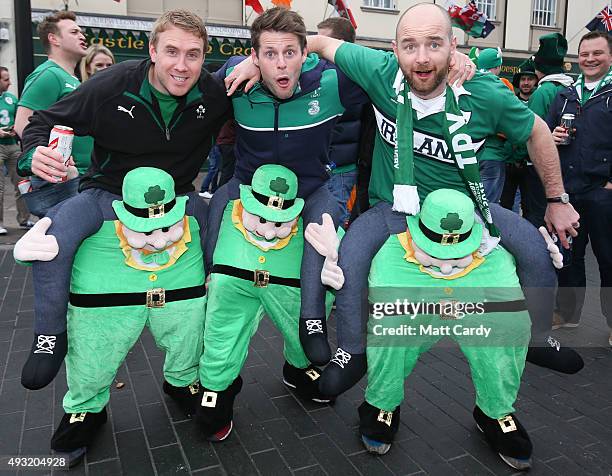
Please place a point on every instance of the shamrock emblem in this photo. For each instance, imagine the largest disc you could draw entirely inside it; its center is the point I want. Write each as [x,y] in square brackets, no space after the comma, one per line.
[154,195]
[451,222]
[279,185]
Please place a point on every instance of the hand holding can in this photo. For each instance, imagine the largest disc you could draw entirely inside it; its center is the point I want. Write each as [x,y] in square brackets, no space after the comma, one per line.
[61,139]
[567,123]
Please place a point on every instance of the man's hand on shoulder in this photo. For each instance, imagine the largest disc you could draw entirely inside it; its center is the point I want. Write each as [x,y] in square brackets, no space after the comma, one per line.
[243,72]
[461,69]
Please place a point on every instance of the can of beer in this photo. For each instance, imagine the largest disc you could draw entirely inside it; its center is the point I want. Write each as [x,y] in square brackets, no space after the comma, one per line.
[60,139]
[24,186]
[567,122]
[566,253]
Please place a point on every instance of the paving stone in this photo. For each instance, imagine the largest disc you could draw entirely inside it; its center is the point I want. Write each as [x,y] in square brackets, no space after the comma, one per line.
[133,453]
[270,462]
[169,460]
[10,432]
[329,456]
[300,420]
[104,468]
[292,448]
[13,396]
[234,459]
[39,407]
[199,452]
[157,425]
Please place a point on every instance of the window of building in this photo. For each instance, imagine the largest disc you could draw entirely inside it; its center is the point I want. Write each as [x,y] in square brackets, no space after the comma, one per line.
[487,7]
[544,13]
[388,4]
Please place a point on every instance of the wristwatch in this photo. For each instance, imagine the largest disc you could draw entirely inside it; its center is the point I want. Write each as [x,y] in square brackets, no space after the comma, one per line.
[563,198]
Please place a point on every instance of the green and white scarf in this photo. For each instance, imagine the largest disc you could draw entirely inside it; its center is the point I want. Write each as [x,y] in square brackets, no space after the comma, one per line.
[456,138]
[579,85]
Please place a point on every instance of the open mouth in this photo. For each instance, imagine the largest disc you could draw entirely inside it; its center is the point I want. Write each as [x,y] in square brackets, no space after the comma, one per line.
[283,81]
[424,74]
[179,79]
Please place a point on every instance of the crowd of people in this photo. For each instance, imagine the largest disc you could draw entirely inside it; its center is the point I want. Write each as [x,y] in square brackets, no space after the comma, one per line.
[353,176]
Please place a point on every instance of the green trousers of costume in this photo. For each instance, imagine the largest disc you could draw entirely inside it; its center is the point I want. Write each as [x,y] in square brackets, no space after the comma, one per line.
[235,306]
[99,339]
[496,362]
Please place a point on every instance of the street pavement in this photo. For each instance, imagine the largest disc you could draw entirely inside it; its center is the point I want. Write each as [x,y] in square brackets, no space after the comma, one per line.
[568,417]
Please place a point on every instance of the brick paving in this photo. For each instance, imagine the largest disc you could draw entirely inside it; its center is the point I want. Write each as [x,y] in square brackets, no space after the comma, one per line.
[568,417]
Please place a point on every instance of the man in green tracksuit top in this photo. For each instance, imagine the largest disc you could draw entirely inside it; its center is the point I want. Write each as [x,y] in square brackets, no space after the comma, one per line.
[436,266]
[256,269]
[144,268]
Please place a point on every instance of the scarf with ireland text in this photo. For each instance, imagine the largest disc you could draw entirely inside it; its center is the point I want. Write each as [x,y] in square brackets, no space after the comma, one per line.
[458,141]
[579,85]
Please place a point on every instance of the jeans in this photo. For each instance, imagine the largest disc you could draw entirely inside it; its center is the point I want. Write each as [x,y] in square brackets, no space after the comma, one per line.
[45,195]
[595,209]
[493,175]
[319,202]
[9,155]
[72,221]
[341,186]
[213,167]
[370,231]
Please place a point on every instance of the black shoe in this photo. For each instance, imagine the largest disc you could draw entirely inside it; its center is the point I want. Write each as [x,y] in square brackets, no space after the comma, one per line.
[507,437]
[550,354]
[75,433]
[305,382]
[45,359]
[313,337]
[344,371]
[377,427]
[186,397]
[216,409]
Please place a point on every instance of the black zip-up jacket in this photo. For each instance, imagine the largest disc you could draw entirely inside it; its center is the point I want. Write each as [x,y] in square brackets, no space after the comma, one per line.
[586,163]
[117,108]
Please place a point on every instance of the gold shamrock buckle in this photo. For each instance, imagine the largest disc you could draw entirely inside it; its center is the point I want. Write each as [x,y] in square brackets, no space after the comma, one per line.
[77,417]
[450,239]
[194,388]
[385,417]
[156,297]
[276,202]
[156,211]
[507,424]
[313,374]
[261,278]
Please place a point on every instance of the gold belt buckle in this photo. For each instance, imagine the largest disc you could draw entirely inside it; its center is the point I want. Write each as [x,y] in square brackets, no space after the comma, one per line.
[507,424]
[313,374]
[261,278]
[156,297]
[450,239]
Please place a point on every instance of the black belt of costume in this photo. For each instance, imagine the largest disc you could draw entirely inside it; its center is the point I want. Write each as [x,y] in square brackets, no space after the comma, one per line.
[134,299]
[488,307]
[251,275]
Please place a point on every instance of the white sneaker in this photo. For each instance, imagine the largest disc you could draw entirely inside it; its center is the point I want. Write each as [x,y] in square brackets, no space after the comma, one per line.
[3,230]
[206,195]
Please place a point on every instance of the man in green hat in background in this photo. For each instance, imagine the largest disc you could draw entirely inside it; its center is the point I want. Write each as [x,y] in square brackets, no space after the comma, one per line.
[142,267]
[255,269]
[492,162]
[525,82]
[443,285]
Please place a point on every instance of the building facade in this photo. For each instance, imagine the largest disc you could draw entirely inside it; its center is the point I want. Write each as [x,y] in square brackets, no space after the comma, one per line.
[123,26]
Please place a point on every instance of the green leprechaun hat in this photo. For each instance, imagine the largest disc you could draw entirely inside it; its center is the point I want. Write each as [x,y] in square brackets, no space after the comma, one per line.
[489,58]
[272,194]
[149,201]
[552,50]
[445,228]
[526,68]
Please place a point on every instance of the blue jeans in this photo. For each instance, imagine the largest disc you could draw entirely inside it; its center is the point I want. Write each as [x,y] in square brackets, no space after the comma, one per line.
[45,195]
[595,209]
[213,167]
[319,202]
[73,221]
[369,232]
[341,186]
[493,175]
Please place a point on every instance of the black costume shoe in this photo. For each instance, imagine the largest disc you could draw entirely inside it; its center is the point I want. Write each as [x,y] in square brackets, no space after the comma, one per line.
[186,397]
[507,437]
[313,337]
[344,371]
[75,433]
[377,427]
[549,353]
[305,382]
[45,359]
[216,410]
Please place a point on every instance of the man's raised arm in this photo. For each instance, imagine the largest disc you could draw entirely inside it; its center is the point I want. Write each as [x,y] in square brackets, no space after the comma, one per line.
[324,46]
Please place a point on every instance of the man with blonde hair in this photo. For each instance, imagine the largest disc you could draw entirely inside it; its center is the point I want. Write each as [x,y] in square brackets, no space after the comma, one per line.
[160,112]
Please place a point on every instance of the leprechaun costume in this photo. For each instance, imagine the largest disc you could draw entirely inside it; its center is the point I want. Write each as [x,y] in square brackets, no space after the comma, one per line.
[252,275]
[480,306]
[117,289]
